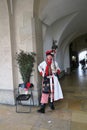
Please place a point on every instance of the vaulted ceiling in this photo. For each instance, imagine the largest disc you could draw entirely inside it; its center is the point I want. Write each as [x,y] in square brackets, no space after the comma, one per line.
[54,10]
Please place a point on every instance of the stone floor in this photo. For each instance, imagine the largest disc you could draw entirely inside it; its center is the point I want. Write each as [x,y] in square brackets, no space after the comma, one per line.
[70,113]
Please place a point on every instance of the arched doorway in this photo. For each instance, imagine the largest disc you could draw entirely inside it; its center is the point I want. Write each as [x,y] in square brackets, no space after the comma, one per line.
[83,60]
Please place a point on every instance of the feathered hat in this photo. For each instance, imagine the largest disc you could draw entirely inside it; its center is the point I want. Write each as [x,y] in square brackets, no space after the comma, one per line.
[50,52]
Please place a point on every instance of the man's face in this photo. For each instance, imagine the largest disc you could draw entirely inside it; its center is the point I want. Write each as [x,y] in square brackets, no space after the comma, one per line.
[49,59]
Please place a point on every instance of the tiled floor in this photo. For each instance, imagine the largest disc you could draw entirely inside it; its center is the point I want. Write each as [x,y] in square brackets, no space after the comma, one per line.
[70,113]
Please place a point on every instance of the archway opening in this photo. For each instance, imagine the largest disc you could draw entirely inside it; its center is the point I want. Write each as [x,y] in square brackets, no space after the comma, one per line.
[83,60]
[82,55]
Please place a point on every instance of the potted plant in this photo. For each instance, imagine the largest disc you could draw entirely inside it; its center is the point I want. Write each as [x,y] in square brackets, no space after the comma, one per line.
[25,62]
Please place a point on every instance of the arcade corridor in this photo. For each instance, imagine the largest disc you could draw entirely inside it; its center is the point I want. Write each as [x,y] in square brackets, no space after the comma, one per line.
[33,25]
[70,113]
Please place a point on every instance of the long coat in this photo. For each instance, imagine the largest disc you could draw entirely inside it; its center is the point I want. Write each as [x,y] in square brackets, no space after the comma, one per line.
[57,88]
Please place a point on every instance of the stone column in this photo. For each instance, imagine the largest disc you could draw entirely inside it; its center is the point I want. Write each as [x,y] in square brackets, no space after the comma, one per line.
[38,48]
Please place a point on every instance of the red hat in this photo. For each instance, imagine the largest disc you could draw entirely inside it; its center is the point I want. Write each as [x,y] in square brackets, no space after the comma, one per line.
[50,52]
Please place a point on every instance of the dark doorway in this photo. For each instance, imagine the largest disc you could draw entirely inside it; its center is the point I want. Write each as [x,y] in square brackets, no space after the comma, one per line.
[74,61]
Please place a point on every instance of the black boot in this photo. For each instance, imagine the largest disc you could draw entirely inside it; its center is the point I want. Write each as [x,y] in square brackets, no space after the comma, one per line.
[42,109]
[52,106]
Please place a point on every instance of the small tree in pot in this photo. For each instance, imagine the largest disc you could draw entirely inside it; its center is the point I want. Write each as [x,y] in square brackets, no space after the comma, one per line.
[25,61]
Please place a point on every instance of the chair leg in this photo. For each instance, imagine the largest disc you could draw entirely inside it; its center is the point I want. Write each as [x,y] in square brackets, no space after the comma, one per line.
[16,105]
[33,100]
[17,102]
[30,104]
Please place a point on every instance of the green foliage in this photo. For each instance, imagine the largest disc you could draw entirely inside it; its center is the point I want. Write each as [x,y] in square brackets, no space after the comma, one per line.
[26,64]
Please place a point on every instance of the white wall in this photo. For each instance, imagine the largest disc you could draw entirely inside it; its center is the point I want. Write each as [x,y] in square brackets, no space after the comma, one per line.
[15,34]
[57,31]
[6,73]
[6,79]
[23,13]
[66,59]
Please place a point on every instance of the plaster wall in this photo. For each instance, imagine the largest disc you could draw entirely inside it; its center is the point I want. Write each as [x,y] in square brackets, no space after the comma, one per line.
[28,37]
[6,76]
[6,81]
[15,35]
[23,13]
[66,59]
[55,31]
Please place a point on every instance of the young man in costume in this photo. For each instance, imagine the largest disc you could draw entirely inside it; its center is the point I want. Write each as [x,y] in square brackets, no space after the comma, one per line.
[51,89]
